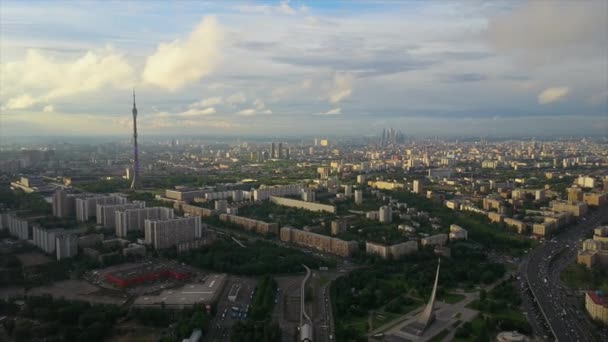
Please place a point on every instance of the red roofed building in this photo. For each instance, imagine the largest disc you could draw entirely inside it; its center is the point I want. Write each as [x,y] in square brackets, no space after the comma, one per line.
[146,274]
[597,306]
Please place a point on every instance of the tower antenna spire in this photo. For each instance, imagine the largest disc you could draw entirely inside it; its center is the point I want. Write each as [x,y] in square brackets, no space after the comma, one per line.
[136,181]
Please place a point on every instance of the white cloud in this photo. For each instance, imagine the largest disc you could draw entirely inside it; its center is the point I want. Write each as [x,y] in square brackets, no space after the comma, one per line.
[286,9]
[342,87]
[254,112]
[236,98]
[198,112]
[20,102]
[552,94]
[247,112]
[259,104]
[334,111]
[179,63]
[48,109]
[42,78]
[208,102]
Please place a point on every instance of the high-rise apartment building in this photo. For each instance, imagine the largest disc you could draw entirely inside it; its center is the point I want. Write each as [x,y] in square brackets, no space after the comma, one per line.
[106,214]
[86,207]
[66,245]
[358,197]
[417,187]
[385,214]
[134,219]
[64,205]
[163,234]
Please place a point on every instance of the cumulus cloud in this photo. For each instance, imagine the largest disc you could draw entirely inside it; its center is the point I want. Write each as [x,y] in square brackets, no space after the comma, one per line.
[48,109]
[342,87]
[247,112]
[179,63]
[20,102]
[552,94]
[236,98]
[334,111]
[40,78]
[198,112]
[254,112]
[212,101]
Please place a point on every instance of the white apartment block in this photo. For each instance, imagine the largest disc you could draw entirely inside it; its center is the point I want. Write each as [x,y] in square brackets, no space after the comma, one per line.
[134,219]
[17,227]
[45,238]
[87,207]
[385,214]
[66,245]
[264,193]
[106,213]
[163,234]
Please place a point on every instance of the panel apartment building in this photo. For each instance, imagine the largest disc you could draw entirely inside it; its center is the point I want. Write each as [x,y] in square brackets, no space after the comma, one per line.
[326,244]
[106,214]
[86,208]
[167,233]
[127,220]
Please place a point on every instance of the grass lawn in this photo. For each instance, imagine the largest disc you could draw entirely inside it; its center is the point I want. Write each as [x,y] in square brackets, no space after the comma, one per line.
[357,323]
[451,298]
[382,317]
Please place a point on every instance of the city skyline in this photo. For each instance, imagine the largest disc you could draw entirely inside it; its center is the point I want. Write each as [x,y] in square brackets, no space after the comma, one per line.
[305,68]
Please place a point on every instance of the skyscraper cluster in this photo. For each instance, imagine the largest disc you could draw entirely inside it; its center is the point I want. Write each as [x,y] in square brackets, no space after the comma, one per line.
[391,136]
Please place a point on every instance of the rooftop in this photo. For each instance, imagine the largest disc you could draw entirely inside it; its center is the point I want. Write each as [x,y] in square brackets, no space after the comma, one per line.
[191,293]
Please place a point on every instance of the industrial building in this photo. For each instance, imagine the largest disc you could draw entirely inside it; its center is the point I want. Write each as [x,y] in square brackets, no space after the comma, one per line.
[206,292]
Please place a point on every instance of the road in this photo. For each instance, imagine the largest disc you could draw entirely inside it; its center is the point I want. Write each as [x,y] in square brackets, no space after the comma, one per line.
[541,273]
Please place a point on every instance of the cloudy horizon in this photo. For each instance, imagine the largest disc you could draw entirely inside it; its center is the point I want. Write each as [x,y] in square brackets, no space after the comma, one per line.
[305,67]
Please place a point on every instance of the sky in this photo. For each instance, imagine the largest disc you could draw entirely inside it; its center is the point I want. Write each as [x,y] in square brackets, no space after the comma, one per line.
[288,68]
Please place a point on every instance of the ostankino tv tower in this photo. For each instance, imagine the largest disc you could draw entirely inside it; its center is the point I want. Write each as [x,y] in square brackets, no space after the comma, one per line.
[136,181]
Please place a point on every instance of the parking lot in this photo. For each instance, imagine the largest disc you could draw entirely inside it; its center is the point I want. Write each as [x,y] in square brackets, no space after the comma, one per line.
[229,312]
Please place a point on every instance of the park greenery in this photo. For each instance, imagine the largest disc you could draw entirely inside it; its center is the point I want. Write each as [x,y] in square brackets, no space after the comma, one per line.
[377,285]
[258,326]
[256,258]
[34,203]
[499,311]
[263,299]
[284,216]
[52,319]
[45,318]
[105,185]
[481,230]
[181,322]
[578,276]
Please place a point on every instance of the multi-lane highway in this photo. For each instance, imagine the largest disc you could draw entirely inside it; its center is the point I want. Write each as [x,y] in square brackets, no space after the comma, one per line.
[541,272]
